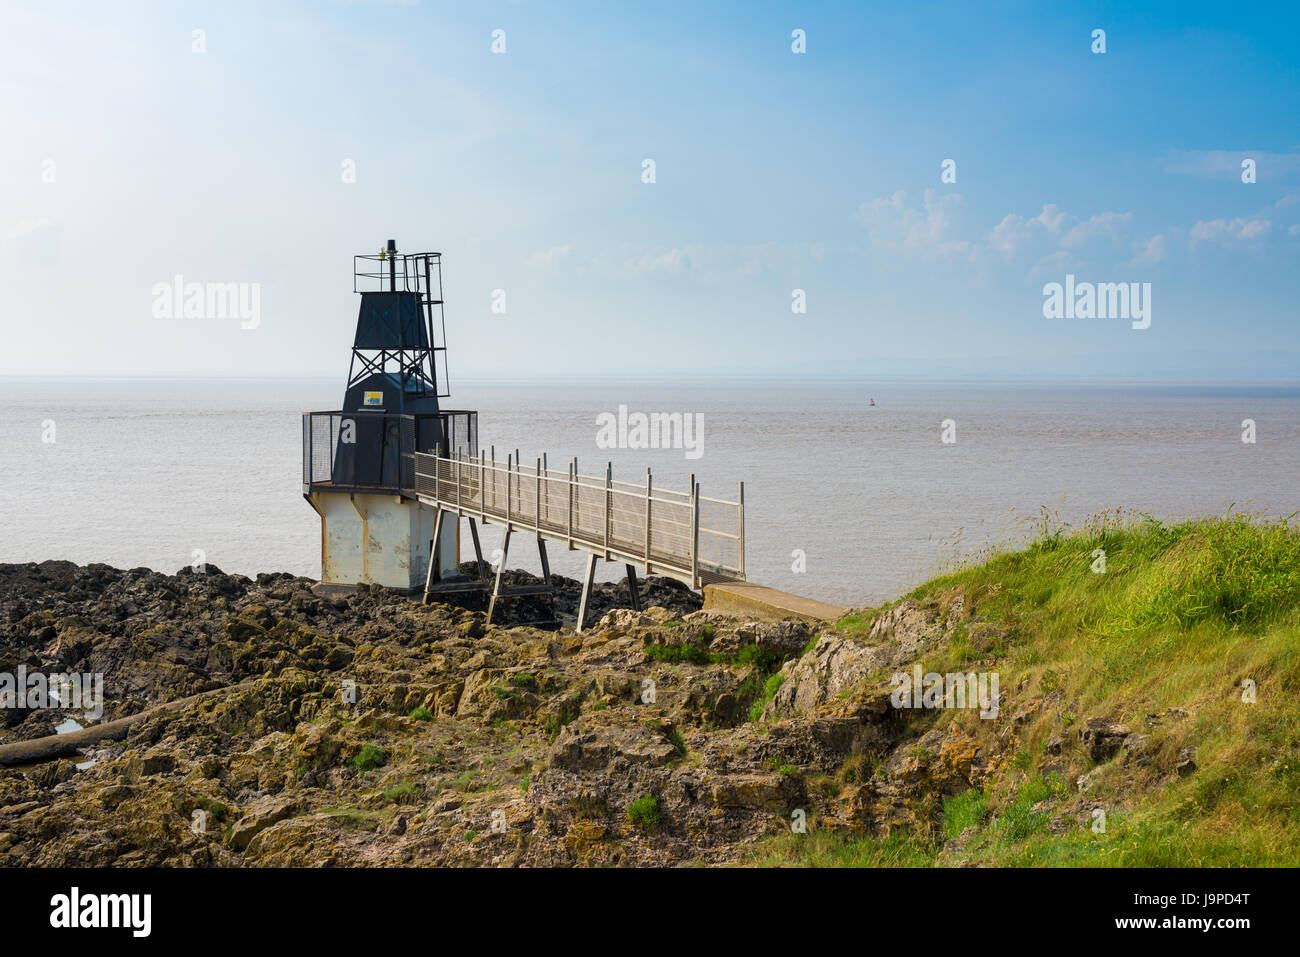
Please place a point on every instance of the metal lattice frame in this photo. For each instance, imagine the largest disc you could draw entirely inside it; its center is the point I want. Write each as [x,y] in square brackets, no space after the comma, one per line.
[406,272]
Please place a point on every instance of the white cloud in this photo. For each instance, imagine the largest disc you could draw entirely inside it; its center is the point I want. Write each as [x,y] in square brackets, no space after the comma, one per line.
[1108,226]
[674,262]
[926,230]
[1223,230]
[1053,264]
[548,259]
[1053,237]
[699,262]
[1148,252]
[1015,232]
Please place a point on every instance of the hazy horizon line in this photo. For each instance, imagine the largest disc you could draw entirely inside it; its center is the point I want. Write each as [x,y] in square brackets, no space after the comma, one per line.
[699,377]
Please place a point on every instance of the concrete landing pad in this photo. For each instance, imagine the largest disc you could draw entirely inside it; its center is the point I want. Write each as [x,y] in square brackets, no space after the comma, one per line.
[746,598]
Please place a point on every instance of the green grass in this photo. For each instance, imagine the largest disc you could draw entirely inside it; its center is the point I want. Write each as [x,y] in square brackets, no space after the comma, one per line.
[369,758]
[403,793]
[968,809]
[826,849]
[854,624]
[753,655]
[644,812]
[1021,818]
[770,688]
[462,781]
[755,690]
[421,714]
[1181,616]
[685,652]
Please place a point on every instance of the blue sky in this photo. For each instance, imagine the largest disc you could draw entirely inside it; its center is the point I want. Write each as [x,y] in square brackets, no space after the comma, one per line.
[129,158]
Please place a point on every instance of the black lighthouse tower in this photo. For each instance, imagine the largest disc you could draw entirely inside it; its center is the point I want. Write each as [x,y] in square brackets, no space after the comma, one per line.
[391,410]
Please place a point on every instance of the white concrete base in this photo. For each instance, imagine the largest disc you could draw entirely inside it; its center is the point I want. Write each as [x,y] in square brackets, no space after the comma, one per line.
[379,540]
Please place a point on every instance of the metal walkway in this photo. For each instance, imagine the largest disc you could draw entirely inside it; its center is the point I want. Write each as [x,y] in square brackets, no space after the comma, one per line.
[680,535]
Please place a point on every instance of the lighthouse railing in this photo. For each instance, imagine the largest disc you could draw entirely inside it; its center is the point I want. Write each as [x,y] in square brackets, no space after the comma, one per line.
[375,449]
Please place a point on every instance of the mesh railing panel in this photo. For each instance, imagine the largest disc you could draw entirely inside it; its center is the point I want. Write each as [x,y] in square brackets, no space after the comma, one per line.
[720,538]
[654,527]
[320,440]
[461,433]
[378,449]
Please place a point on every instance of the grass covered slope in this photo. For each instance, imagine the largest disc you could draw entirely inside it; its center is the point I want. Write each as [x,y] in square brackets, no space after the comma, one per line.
[1128,657]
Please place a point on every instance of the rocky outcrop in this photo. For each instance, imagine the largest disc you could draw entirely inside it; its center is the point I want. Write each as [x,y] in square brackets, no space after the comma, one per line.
[260,815]
[1102,738]
[897,636]
[372,729]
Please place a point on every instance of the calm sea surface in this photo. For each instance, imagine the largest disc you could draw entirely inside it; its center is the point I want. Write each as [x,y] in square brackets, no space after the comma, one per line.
[145,471]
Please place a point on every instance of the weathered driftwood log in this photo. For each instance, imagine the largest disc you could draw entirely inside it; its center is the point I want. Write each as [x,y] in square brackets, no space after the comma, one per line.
[65,745]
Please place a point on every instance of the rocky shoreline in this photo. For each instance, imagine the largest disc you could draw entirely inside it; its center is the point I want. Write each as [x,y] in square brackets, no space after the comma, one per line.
[374,730]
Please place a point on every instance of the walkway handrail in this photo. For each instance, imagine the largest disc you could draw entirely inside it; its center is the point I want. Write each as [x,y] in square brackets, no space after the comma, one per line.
[680,534]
